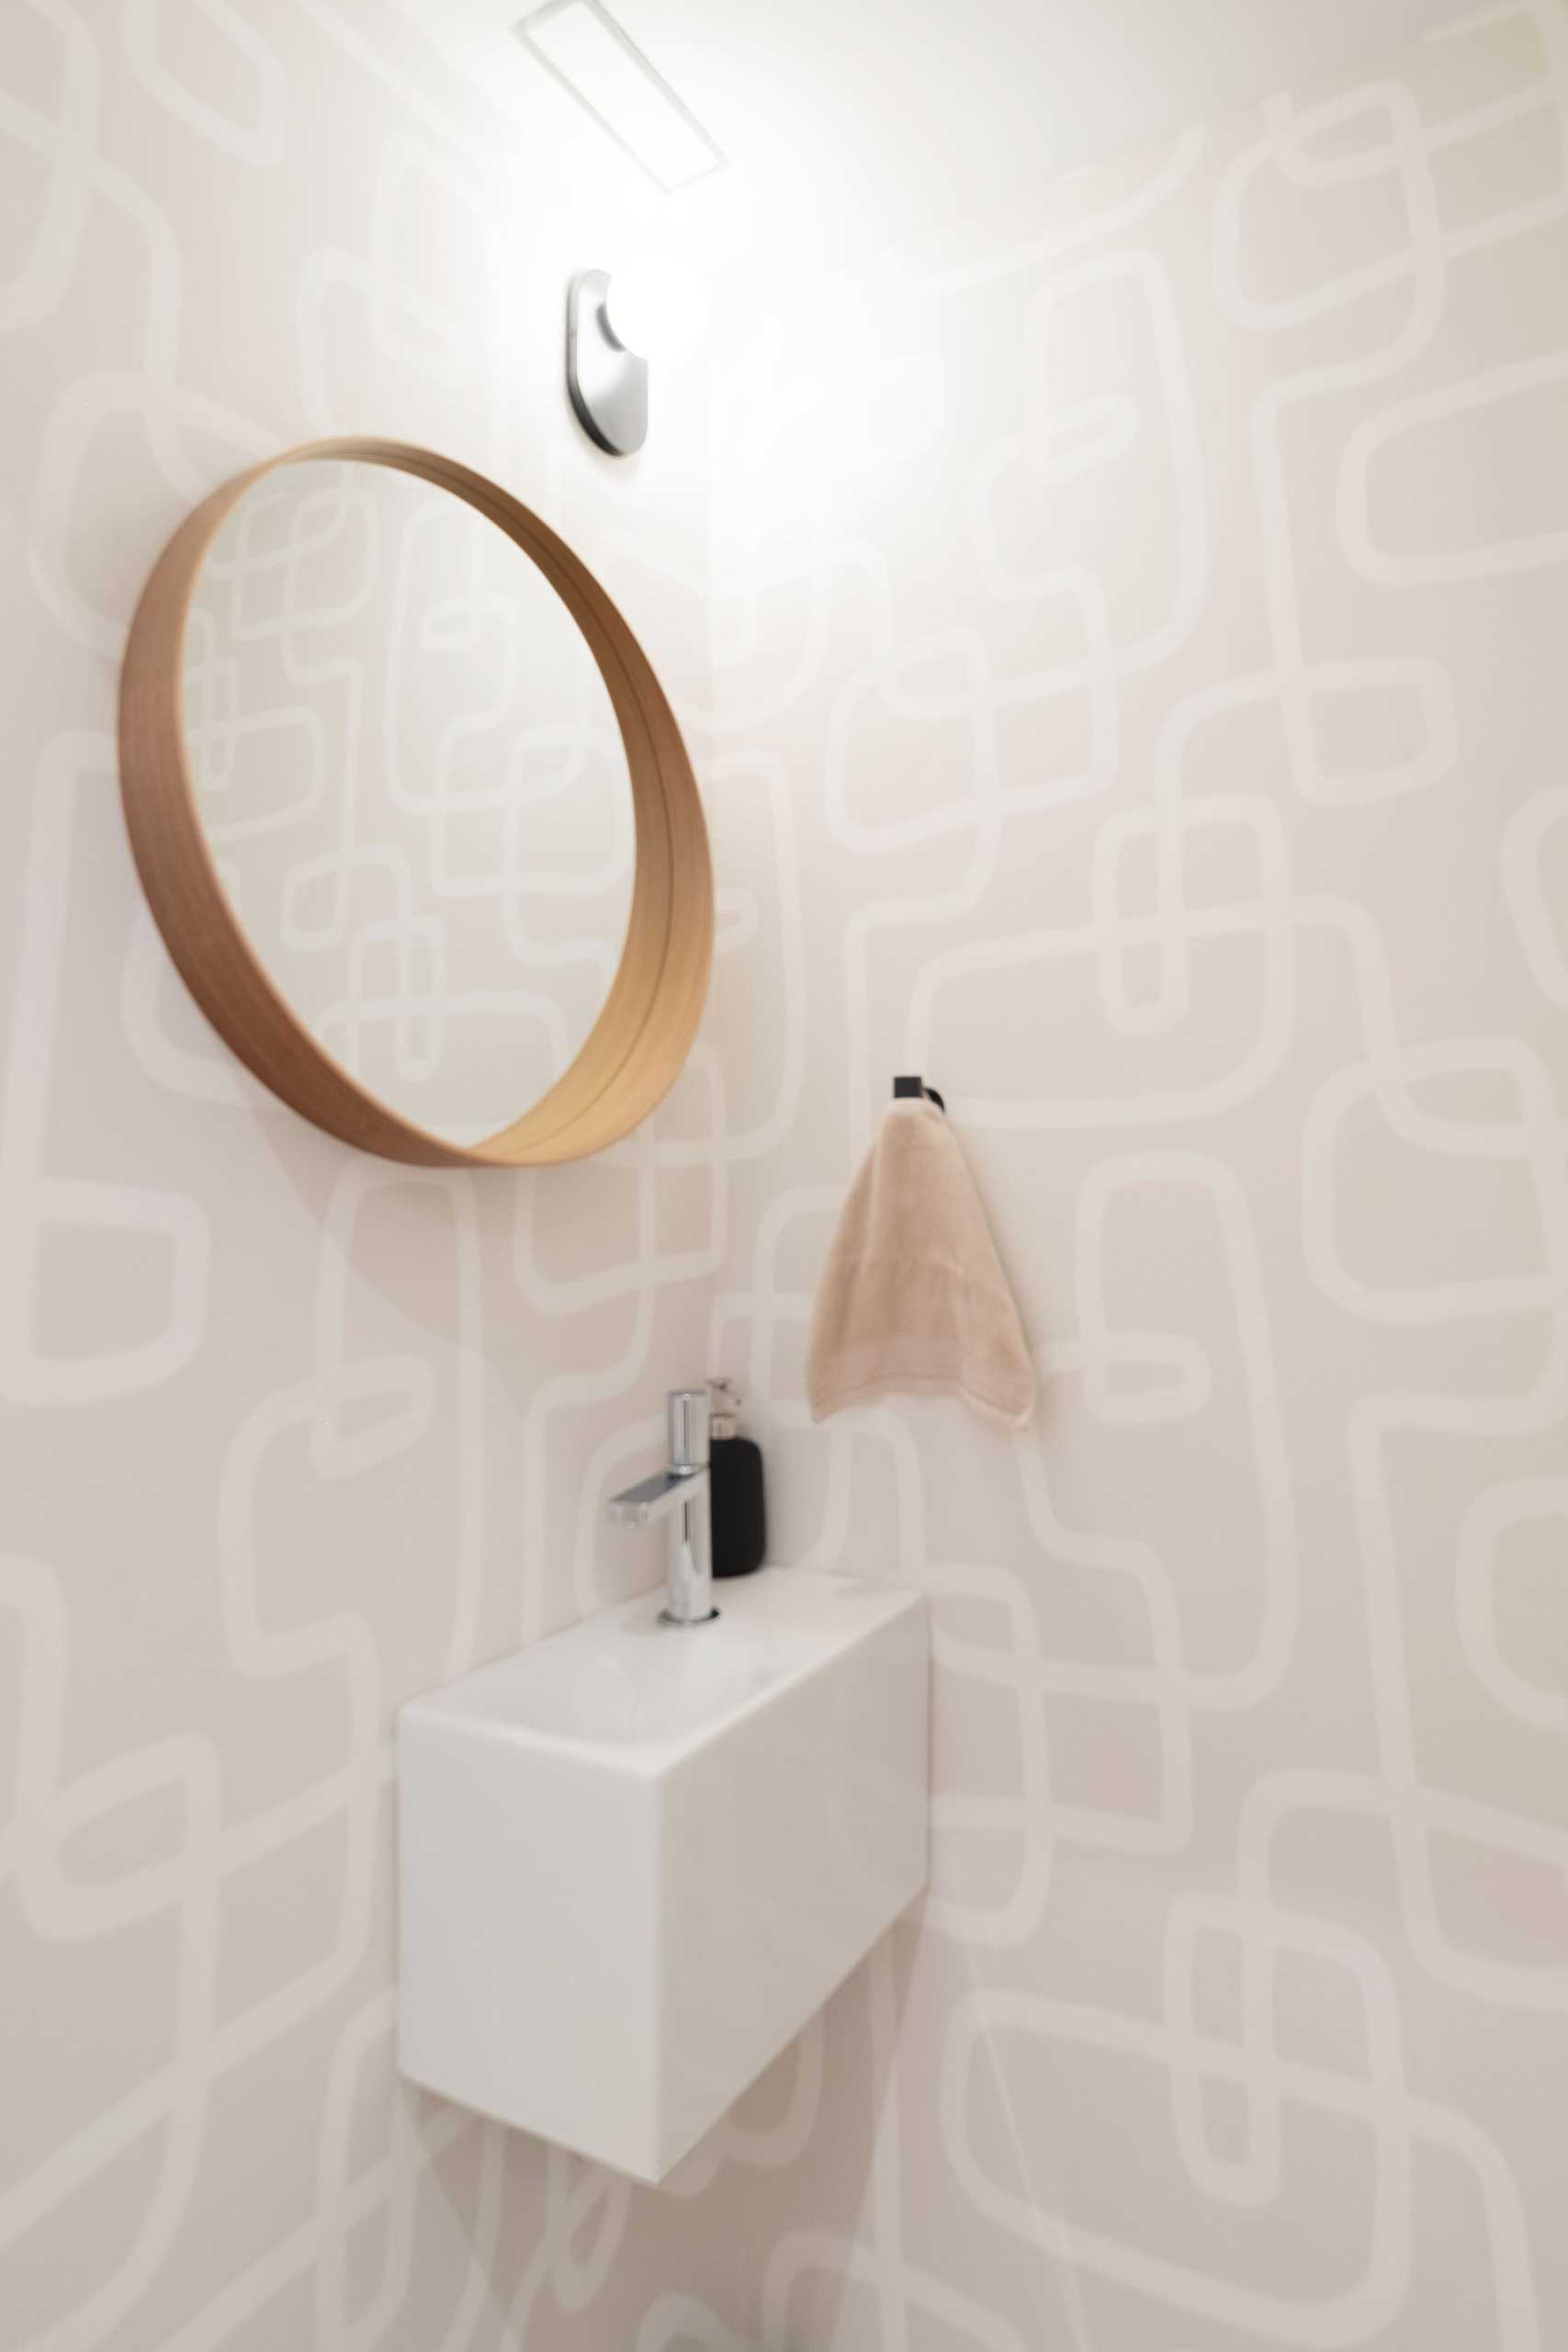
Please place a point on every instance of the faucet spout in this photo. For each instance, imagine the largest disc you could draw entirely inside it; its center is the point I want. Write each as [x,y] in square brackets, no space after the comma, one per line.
[680,1496]
[654,1499]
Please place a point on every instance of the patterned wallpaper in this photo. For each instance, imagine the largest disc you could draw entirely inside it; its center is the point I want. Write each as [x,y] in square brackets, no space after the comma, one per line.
[1136,701]
[1141,620]
[285,1434]
[410,777]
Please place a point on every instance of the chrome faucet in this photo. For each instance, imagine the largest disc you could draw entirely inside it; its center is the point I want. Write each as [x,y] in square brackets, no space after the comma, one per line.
[679,1494]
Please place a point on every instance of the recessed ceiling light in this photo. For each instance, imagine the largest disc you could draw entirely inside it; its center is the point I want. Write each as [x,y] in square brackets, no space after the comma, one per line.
[580,43]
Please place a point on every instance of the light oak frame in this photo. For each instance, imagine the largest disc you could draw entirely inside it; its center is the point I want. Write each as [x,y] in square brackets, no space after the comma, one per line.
[639,1042]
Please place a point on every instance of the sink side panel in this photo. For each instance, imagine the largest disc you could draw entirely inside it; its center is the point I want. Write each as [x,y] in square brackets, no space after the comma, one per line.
[790,1846]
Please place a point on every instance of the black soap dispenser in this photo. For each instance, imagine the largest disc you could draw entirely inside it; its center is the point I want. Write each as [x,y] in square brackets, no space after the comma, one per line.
[735,1474]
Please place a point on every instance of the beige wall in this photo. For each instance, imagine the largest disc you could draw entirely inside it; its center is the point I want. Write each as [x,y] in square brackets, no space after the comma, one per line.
[408,772]
[1137,622]
[275,1419]
[1141,620]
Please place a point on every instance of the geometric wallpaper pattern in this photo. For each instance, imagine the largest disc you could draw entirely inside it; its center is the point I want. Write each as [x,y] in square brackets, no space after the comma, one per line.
[1122,643]
[410,775]
[1151,603]
[285,1432]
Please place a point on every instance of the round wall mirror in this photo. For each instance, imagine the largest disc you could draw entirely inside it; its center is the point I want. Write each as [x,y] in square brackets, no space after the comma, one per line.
[412,813]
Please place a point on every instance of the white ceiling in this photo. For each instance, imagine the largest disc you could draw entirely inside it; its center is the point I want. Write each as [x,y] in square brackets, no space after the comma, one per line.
[853,121]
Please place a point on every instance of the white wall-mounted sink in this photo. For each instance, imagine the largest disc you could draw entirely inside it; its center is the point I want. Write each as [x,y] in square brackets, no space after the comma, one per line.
[636,1858]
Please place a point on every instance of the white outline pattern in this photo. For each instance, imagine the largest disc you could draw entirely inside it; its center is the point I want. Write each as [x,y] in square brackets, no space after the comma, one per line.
[1155,731]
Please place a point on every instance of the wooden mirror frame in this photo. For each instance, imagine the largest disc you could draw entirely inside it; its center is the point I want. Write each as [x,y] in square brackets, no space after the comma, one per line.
[639,1044]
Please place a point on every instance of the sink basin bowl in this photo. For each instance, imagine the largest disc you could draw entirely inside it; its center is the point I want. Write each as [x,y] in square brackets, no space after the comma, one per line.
[636,1858]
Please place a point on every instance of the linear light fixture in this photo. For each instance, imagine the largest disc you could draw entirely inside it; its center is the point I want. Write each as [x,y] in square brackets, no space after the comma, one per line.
[581,44]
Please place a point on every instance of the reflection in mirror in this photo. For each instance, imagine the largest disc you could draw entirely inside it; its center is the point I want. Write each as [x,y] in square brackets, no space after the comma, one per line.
[410,776]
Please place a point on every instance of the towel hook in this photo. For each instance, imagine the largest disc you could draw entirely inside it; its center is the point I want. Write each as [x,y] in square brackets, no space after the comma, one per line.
[903,1087]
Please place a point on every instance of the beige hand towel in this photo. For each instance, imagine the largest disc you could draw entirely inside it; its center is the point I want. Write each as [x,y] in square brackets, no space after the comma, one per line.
[913,1298]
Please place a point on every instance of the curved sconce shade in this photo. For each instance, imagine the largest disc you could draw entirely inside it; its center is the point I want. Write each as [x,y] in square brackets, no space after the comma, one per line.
[608,384]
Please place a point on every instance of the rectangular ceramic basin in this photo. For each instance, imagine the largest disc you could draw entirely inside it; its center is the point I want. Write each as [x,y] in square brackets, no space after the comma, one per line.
[636,1858]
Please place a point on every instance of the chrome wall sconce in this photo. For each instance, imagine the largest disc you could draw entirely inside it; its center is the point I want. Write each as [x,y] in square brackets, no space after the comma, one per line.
[606,379]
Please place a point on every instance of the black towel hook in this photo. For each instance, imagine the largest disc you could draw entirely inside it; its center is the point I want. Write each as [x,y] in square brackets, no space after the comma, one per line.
[905,1087]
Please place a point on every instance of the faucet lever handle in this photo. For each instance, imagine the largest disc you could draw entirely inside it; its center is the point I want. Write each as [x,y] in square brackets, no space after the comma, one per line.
[689,1412]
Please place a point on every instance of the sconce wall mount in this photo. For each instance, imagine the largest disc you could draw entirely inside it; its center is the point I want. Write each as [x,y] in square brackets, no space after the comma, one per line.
[607,384]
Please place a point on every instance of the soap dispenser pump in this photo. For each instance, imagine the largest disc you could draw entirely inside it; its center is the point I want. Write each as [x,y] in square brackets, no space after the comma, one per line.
[735,1478]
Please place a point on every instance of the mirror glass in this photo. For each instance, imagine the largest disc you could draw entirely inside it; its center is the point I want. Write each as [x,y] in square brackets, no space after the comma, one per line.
[410,775]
